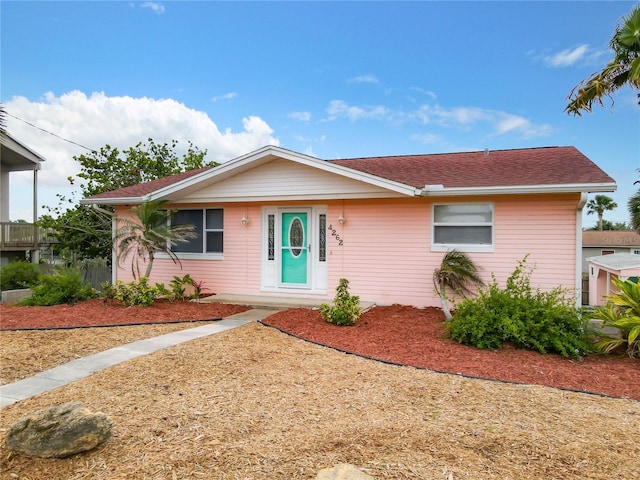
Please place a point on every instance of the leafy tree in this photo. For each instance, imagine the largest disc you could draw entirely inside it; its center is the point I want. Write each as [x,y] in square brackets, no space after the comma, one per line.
[610,226]
[110,169]
[84,231]
[457,273]
[623,69]
[599,205]
[149,232]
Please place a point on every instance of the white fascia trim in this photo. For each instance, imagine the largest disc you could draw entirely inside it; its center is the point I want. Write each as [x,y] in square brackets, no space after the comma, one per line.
[113,201]
[578,267]
[517,189]
[25,152]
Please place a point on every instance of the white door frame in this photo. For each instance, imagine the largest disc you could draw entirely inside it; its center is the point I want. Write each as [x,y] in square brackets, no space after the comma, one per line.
[271,258]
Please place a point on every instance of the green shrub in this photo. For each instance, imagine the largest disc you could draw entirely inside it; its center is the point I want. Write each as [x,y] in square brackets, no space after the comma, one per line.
[62,287]
[622,311]
[178,285]
[16,275]
[547,322]
[345,309]
[135,293]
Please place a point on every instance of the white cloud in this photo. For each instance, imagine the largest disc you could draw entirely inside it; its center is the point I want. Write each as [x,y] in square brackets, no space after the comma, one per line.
[567,57]
[339,109]
[301,116]
[158,8]
[490,122]
[429,93]
[226,96]
[497,122]
[122,122]
[369,78]
[506,123]
[427,138]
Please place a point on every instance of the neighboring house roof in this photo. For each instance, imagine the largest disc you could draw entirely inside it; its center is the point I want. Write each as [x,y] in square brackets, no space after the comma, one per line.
[617,261]
[606,238]
[16,156]
[531,170]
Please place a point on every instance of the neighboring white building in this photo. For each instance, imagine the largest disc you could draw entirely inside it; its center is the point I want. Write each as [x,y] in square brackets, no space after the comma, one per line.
[16,239]
[604,268]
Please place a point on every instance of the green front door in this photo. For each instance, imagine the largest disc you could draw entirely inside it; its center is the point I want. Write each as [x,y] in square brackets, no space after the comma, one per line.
[294,248]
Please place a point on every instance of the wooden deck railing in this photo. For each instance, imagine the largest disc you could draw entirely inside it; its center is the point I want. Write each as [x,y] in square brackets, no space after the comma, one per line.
[24,236]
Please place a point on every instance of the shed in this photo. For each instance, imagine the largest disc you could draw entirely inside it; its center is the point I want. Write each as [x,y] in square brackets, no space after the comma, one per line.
[604,268]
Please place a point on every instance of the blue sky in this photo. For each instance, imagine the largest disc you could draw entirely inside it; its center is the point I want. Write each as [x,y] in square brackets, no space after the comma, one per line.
[330,79]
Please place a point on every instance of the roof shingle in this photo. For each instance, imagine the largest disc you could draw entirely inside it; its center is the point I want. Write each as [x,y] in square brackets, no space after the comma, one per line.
[530,166]
[497,168]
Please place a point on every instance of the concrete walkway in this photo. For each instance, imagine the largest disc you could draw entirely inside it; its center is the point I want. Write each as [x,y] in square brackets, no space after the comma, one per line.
[83,367]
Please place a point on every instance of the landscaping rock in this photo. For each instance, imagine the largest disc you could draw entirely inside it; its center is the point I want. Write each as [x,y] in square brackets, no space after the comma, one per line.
[342,471]
[58,432]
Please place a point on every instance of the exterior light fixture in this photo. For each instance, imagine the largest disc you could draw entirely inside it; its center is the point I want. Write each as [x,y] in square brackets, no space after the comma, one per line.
[341,219]
[245,220]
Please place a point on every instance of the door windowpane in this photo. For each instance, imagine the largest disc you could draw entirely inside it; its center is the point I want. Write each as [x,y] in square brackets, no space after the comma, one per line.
[271,247]
[322,248]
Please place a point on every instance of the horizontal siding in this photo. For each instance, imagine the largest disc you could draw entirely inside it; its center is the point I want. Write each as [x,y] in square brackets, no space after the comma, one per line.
[387,257]
[386,247]
[281,178]
[543,227]
[385,251]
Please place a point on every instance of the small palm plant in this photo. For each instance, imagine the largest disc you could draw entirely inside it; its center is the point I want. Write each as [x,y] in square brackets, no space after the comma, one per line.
[149,232]
[457,273]
[622,311]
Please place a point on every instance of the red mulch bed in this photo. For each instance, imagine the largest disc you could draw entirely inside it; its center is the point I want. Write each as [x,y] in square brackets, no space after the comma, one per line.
[398,334]
[415,337]
[95,313]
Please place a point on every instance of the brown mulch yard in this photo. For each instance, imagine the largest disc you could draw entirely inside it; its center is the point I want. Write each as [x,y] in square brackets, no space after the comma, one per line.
[255,403]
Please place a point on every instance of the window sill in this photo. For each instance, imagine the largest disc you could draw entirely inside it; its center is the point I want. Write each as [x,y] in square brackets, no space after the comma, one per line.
[193,256]
[462,248]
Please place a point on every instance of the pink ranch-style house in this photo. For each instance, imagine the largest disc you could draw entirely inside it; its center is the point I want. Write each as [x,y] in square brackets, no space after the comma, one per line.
[279,223]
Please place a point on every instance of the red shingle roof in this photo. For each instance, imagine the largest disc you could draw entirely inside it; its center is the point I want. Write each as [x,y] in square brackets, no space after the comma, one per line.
[146,188]
[498,168]
[531,166]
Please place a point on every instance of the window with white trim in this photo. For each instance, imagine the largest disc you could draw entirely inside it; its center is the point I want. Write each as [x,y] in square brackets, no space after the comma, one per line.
[208,225]
[463,226]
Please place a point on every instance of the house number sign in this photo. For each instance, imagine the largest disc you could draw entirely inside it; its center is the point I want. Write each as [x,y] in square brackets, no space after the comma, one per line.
[335,234]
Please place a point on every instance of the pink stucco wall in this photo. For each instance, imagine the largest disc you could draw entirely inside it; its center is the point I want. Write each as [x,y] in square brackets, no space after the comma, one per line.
[386,253]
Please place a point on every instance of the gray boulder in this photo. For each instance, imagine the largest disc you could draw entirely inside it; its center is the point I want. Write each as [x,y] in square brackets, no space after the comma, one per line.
[58,432]
[342,471]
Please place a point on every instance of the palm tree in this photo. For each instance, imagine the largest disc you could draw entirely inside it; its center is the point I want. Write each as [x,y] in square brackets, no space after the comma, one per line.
[623,69]
[458,273]
[599,205]
[149,232]
[634,211]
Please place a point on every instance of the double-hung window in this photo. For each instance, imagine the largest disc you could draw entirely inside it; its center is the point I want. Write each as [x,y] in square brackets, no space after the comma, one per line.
[467,227]
[208,226]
